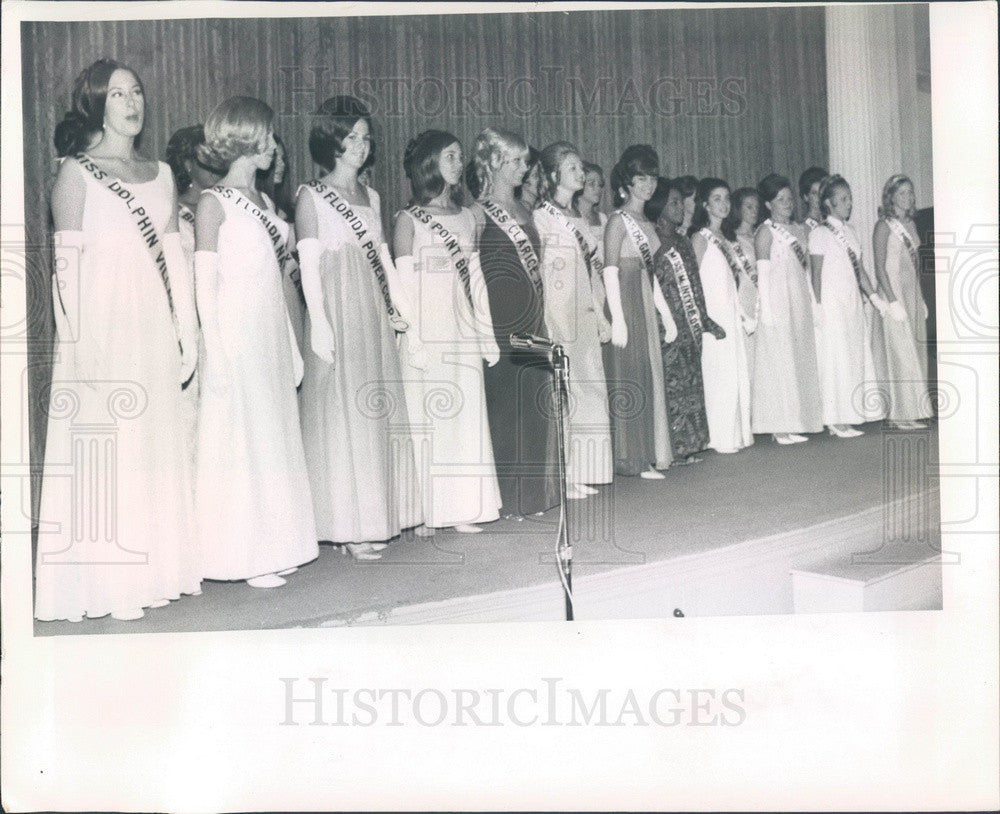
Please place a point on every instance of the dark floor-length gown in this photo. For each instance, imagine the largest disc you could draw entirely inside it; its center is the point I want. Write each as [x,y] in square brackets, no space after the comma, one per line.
[682,357]
[518,388]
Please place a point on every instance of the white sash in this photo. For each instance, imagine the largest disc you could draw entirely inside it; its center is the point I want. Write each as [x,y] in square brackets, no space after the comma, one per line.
[588,252]
[640,240]
[522,243]
[851,254]
[142,222]
[786,237]
[451,243]
[907,240]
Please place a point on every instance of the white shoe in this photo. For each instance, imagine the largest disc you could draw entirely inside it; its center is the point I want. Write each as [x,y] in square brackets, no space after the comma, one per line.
[288,571]
[423,531]
[844,431]
[727,451]
[796,438]
[784,438]
[575,493]
[159,603]
[266,581]
[467,528]
[128,615]
[587,490]
[652,474]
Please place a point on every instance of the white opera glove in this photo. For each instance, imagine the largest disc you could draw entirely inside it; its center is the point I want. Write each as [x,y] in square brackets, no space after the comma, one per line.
[481,306]
[406,282]
[764,292]
[660,303]
[927,313]
[67,269]
[896,311]
[619,330]
[182,292]
[321,336]
[404,293]
[206,284]
[880,304]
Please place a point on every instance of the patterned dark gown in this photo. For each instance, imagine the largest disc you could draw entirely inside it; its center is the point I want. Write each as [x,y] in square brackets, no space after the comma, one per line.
[682,357]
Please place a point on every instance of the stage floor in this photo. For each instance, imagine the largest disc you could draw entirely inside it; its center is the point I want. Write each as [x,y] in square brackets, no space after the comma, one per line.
[763,499]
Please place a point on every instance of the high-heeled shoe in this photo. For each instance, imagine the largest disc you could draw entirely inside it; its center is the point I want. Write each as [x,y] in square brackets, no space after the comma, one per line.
[423,531]
[587,490]
[266,581]
[574,492]
[652,474]
[783,438]
[796,438]
[841,432]
[362,551]
[467,528]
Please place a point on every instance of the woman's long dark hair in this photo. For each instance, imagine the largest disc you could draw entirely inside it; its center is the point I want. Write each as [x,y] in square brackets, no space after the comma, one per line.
[421,164]
[699,220]
[85,118]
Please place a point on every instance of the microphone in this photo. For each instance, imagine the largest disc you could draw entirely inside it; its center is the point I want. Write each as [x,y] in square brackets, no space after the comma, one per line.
[530,342]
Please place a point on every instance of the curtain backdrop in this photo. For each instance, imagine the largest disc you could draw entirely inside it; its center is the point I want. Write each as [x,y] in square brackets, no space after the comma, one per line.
[735,93]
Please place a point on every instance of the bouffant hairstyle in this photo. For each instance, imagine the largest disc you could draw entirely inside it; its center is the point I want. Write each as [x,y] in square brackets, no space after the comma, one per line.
[421,163]
[552,158]
[237,127]
[770,185]
[887,210]
[639,159]
[735,217]
[687,185]
[658,200]
[183,147]
[810,177]
[85,118]
[830,184]
[332,122]
[494,144]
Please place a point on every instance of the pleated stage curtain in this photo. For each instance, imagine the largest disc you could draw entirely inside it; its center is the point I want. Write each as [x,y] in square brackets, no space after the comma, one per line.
[735,93]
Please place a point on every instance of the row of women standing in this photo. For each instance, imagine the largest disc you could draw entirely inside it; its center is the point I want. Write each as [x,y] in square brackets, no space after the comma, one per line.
[397,423]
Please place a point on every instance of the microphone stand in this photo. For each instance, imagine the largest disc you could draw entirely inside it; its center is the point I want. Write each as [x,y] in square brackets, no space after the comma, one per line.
[560,379]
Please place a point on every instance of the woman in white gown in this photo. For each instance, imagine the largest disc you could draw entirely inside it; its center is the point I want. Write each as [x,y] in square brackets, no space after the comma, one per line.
[354,421]
[575,319]
[115,526]
[253,499]
[435,242]
[841,284]
[786,393]
[192,177]
[897,267]
[723,361]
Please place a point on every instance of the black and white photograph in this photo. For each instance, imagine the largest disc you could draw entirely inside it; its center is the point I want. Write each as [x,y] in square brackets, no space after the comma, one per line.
[343,345]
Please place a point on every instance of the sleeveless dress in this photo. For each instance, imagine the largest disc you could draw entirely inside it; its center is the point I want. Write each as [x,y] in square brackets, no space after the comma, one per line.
[685,392]
[115,528]
[636,392]
[456,474]
[748,248]
[906,342]
[519,395]
[724,361]
[570,314]
[254,506]
[842,333]
[354,422]
[786,390]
